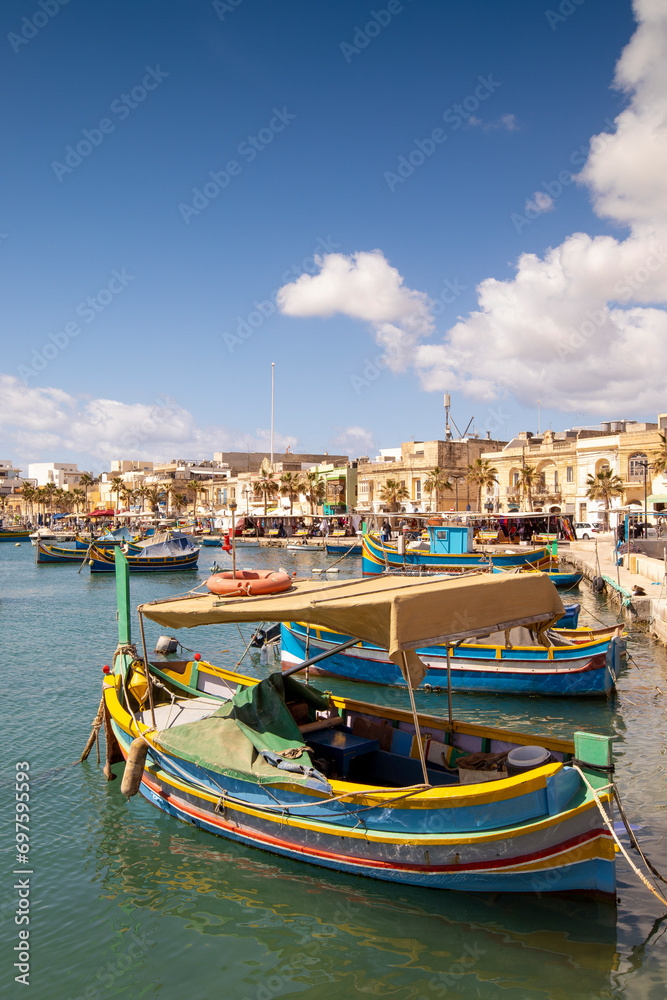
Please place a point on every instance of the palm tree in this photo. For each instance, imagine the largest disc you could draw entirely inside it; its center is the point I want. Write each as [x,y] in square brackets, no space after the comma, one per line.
[141,492]
[314,489]
[392,493]
[48,495]
[529,477]
[437,482]
[482,475]
[79,497]
[180,500]
[127,495]
[30,495]
[290,486]
[195,486]
[87,480]
[659,463]
[154,495]
[266,486]
[604,485]
[117,485]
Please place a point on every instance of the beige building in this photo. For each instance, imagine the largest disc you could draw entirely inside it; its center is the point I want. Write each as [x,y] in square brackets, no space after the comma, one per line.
[565,459]
[412,467]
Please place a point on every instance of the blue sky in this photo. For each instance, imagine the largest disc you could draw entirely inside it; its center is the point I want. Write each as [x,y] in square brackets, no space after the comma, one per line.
[314,113]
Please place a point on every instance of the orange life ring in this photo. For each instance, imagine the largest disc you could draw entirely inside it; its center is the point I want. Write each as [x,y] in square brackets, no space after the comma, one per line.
[249,582]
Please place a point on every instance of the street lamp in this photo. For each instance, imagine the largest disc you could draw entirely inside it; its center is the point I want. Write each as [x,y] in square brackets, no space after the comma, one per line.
[457,480]
[232,507]
[645,467]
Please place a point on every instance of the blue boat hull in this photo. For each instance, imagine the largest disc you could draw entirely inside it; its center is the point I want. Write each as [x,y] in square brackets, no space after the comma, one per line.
[475,669]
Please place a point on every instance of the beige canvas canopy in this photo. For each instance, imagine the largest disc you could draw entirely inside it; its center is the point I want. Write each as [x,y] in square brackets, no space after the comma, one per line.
[397,615]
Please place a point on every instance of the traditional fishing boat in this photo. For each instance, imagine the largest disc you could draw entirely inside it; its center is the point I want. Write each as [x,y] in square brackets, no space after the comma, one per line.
[53,552]
[174,552]
[363,789]
[515,663]
[13,534]
[347,546]
[450,549]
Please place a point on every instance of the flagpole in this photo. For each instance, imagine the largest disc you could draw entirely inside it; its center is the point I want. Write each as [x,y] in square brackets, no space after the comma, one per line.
[273,373]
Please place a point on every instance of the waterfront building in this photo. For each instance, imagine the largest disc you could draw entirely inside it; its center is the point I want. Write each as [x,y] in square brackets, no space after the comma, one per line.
[64,475]
[564,460]
[411,466]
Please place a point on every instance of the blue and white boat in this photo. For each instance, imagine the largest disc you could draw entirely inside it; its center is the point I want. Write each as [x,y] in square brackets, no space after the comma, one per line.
[450,549]
[573,665]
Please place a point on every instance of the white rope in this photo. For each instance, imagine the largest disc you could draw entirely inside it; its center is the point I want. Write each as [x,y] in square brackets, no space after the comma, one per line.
[610,827]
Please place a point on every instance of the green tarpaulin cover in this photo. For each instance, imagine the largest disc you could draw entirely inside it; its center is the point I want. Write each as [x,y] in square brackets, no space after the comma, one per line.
[252,735]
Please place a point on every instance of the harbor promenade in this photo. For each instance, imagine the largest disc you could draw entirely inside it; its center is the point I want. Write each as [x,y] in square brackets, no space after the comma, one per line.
[637,586]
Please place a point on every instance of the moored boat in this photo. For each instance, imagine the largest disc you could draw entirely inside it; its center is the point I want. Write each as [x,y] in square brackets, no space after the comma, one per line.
[13,534]
[173,553]
[54,552]
[569,666]
[450,550]
[360,788]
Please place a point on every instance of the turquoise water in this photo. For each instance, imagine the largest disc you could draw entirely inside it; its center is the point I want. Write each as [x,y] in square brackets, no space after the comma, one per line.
[127,902]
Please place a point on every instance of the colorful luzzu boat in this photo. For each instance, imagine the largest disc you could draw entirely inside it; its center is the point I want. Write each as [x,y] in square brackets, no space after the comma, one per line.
[53,552]
[174,552]
[13,534]
[450,551]
[571,665]
[351,786]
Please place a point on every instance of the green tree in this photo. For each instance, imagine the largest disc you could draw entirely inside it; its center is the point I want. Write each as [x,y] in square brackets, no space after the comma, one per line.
[291,486]
[437,482]
[155,495]
[179,500]
[79,497]
[266,485]
[604,485]
[117,486]
[659,463]
[87,480]
[194,488]
[529,478]
[314,489]
[481,474]
[392,493]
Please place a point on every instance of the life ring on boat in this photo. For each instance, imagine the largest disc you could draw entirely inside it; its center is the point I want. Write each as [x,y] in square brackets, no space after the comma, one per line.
[249,582]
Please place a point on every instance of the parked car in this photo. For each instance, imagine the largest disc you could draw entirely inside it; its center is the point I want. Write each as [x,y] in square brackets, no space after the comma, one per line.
[585,529]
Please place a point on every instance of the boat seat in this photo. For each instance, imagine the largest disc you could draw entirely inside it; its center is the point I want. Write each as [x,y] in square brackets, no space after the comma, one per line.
[340,747]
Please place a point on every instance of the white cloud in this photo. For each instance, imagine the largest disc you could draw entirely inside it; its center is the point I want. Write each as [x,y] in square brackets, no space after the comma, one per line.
[584,326]
[506,122]
[540,202]
[364,286]
[353,441]
[41,423]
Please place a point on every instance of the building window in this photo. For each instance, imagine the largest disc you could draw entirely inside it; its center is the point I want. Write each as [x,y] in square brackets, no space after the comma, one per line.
[515,479]
[570,474]
[635,468]
[556,481]
[417,486]
[364,488]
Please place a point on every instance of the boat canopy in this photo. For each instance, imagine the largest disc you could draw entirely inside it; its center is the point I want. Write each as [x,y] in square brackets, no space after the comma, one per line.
[397,615]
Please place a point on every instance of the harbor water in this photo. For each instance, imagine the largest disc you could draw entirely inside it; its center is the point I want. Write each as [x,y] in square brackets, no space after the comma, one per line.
[126,902]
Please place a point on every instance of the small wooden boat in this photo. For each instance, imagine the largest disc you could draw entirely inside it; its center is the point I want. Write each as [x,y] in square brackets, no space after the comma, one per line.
[570,665]
[65,552]
[443,555]
[339,547]
[360,788]
[172,554]
[13,534]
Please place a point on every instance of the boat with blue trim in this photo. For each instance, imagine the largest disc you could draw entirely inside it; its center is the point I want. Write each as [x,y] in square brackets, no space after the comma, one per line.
[342,784]
[572,664]
[450,549]
[169,551]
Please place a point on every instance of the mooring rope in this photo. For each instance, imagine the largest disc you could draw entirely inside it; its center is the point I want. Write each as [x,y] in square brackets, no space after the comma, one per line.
[610,827]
